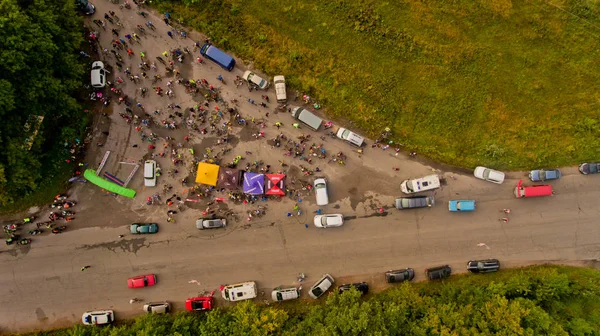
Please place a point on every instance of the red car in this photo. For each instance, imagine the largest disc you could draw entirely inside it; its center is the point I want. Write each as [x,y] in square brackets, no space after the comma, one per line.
[142,281]
[201,303]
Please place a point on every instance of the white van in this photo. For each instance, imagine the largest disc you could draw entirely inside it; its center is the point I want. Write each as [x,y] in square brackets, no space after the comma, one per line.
[98,75]
[420,184]
[284,294]
[239,292]
[350,137]
[320,185]
[280,89]
[150,173]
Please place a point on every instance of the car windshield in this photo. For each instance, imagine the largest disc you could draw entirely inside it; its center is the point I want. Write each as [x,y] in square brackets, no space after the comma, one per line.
[486,173]
[324,221]
[594,167]
[542,175]
[317,291]
[145,281]
[345,134]
[320,185]
[226,293]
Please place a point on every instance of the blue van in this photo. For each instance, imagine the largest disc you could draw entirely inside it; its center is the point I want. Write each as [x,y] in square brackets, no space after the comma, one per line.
[216,55]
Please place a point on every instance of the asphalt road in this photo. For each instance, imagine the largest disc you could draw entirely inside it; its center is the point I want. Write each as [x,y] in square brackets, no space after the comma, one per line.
[43,286]
[44,283]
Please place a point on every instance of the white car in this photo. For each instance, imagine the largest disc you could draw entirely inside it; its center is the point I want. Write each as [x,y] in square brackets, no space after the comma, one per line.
[157,307]
[321,286]
[202,224]
[489,175]
[320,185]
[98,75]
[251,77]
[326,221]
[98,317]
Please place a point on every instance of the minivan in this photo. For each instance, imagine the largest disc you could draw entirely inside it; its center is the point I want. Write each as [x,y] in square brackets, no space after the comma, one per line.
[320,185]
[307,118]
[216,55]
[350,137]
[420,184]
[439,272]
[150,173]
[238,292]
[280,92]
[284,294]
[532,191]
[98,75]
[414,202]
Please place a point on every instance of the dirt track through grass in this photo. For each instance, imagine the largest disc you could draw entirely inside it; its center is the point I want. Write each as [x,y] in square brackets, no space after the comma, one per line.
[508,85]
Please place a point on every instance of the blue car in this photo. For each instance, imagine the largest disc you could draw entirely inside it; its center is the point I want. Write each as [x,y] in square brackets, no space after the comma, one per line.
[544,175]
[461,205]
[144,228]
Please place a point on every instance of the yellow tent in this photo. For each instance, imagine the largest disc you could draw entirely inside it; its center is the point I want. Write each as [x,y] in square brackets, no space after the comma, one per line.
[207,174]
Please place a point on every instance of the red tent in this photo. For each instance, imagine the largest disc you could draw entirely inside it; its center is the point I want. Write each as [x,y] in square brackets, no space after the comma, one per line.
[275,184]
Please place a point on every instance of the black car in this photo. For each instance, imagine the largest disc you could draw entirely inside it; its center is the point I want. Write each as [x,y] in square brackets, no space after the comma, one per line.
[362,287]
[400,275]
[589,168]
[414,202]
[483,266]
[439,272]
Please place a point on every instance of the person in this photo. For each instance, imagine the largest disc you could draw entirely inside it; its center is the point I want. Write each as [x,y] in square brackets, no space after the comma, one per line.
[220,78]
[296,125]
[507,211]
[133,300]
[170,34]
[85,267]
[505,220]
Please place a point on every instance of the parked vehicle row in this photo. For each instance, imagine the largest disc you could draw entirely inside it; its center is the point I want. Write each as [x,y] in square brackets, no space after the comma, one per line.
[249,290]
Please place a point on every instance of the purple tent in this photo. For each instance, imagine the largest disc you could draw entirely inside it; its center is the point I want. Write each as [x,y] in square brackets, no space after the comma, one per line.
[254,184]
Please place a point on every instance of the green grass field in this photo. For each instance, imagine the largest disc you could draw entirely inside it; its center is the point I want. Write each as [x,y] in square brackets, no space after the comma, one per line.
[511,85]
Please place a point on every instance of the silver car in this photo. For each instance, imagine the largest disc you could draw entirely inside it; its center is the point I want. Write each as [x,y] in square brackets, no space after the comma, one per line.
[157,307]
[203,224]
[489,175]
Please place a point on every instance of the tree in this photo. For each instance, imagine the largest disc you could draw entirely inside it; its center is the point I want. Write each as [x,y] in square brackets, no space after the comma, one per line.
[40,73]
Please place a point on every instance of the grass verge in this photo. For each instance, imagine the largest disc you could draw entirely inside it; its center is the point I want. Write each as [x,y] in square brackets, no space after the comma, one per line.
[511,85]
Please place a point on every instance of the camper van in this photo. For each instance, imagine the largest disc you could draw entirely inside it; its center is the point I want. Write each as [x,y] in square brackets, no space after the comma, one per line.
[238,292]
[412,186]
[280,92]
[307,118]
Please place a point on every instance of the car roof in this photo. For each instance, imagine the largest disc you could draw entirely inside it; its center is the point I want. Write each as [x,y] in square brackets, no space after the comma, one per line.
[334,218]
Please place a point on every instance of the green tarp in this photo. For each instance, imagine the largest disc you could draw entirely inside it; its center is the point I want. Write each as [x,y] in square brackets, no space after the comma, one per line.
[90,175]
